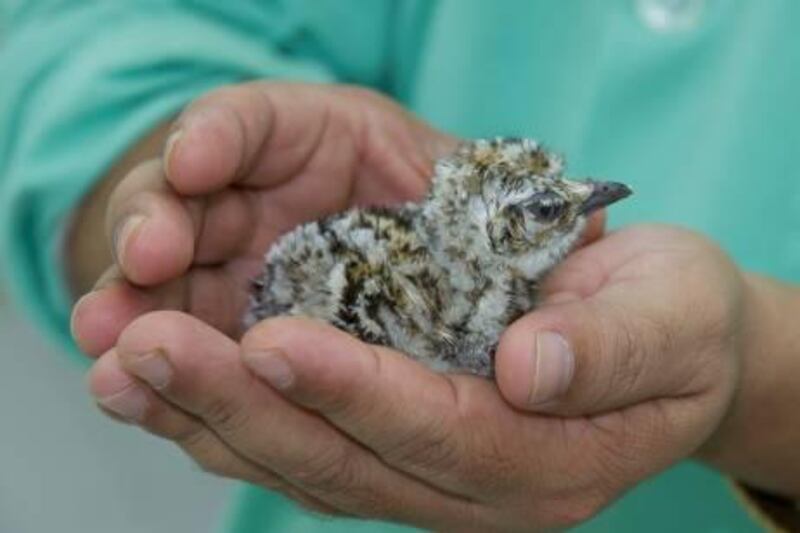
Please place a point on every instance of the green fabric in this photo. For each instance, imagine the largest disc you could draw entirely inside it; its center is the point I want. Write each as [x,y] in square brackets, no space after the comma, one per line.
[702,123]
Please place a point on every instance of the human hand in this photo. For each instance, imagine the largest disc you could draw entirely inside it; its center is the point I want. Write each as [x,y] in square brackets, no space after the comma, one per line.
[245,164]
[651,315]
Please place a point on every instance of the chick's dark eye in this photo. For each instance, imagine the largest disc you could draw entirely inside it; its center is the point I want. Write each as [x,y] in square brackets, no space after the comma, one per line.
[547,207]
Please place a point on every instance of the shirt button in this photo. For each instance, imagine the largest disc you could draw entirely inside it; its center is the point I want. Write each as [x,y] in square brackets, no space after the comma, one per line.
[670,15]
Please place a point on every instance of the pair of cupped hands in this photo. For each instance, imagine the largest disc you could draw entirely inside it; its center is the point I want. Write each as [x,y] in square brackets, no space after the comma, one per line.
[629,364]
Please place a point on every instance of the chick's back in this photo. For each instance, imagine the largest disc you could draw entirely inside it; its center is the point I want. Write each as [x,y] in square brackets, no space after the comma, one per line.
[365,271]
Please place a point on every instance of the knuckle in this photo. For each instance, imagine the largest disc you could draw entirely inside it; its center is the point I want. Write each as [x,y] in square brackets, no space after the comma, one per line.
[225,415]
[330,472]
[164,423]
[203,448]
[189,435]
[337,476]
[214,458]
[221,464]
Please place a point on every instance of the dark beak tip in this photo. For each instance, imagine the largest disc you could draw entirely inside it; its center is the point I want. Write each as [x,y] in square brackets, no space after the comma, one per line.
[604,194]
[623,191]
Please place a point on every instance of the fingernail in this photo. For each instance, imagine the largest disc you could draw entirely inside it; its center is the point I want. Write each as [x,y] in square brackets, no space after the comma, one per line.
[153,367]
[73,317]
[169,148]
[272,365]
[122,233]
[553,365]
[130,403]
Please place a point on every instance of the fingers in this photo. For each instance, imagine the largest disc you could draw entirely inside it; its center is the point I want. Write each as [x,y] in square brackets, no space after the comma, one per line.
[212,294]
[151,232]
[196,369]
[163,229]
[592,355]
[128,400]
[99,317]
[411,417]
[355,142]
[453,432]
[302,152]
[157,235]
[218,138]
[233,134]
[126,397]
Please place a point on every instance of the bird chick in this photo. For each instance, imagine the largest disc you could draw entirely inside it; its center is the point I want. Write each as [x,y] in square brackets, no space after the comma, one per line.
[440,279]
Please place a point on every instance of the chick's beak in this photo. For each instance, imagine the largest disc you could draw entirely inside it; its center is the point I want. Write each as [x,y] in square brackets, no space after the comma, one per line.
[604,193]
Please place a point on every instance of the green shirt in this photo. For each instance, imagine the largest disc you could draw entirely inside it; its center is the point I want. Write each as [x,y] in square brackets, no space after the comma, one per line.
[701,121]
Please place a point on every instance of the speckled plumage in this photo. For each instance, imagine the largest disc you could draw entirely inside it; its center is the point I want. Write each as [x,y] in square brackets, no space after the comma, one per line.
[440,279]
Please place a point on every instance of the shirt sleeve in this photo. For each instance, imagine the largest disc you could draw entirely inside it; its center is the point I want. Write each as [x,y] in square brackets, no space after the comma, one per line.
[82,81]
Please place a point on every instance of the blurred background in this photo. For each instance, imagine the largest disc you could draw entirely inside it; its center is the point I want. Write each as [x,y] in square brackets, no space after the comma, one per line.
[65,467]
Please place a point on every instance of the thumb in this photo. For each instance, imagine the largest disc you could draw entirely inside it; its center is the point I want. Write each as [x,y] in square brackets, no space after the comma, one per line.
[587,356]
